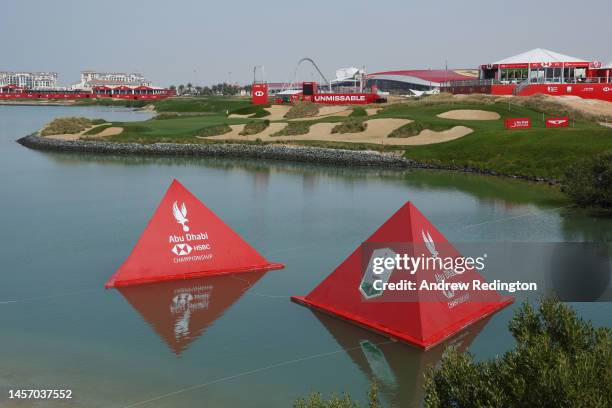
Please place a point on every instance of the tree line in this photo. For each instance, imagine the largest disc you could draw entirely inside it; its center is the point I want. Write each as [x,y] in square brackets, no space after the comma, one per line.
[222,89]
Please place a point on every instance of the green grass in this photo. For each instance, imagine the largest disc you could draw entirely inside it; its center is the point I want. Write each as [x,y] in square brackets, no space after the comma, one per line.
[538,152]
[218,105]
[256,111]
[97,130]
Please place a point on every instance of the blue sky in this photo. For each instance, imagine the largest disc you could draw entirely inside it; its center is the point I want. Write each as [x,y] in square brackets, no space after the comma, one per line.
[203,41]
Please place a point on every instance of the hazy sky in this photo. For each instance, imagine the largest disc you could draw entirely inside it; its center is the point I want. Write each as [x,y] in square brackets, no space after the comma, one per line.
[198,41]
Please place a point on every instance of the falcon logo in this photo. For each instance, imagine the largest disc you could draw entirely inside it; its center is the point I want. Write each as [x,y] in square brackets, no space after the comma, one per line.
[259,93]
[429,243]
[180,215]
[182,249]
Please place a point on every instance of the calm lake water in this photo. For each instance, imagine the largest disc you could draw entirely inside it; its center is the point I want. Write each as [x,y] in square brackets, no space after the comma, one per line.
[68,221]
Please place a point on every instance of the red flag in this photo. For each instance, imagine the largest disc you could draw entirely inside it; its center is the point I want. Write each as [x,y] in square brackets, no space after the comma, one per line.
[184,239]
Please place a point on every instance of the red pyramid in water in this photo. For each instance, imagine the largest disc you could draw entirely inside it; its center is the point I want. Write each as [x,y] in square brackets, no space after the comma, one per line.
[422,318]
[184,239]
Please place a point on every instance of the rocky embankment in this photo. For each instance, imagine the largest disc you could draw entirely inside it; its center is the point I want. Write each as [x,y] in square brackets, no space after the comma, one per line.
[293,153]
[234,150]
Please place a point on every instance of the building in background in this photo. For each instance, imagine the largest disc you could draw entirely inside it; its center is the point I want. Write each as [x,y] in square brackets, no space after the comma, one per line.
[91,79]
[404,81]
[539,71]
[29,80]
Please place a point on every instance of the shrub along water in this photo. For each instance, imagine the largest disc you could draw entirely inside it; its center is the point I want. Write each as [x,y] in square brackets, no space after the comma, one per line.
[72,125]
[294,129]
[559,361]
[351,125]
[589,182]
[253,128]
[303,109]
[416,127]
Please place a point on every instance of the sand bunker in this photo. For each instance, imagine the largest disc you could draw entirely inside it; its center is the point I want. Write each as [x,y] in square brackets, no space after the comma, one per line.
[372,111]
[236,129]
[590,106]
[111,131]
[376,132]
[277,112]
[328,111]
[431,137]
[469,114]
[237,116]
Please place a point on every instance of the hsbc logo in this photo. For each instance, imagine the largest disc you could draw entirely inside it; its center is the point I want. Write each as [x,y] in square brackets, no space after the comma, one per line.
[259,93]
[607,89]
[182,249]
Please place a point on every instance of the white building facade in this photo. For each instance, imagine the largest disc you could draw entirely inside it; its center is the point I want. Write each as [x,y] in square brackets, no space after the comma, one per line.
[89,79]
[30,80]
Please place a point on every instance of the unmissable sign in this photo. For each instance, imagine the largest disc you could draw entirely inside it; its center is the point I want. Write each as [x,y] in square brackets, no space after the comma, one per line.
[557,122]
[518,123]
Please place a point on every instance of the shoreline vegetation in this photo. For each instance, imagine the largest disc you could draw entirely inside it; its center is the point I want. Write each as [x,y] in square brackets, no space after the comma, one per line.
[451,132]
[558,360]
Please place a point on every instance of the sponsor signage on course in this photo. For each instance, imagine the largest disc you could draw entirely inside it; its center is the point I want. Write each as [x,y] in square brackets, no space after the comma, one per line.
[557,122]
[259,93]
[518,123]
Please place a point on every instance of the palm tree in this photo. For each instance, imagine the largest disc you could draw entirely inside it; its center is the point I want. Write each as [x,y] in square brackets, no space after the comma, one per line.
[181,89]
[189,86]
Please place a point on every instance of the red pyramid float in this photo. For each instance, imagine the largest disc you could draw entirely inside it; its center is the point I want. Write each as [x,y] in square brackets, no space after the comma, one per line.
[184,239]
[180,311]
[425,319]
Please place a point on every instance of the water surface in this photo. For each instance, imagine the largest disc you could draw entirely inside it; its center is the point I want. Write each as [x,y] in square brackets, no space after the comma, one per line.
[69,220]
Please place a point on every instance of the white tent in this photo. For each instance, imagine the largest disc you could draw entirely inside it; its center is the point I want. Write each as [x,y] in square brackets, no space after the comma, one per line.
[538,55]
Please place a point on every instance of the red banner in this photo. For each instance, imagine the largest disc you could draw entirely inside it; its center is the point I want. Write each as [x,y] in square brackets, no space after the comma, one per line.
[518,123]
[259,94]
[557,122]
[345,99]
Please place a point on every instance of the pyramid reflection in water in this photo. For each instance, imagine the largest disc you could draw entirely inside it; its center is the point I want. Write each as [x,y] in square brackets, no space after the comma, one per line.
[398,368]
[180,311]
